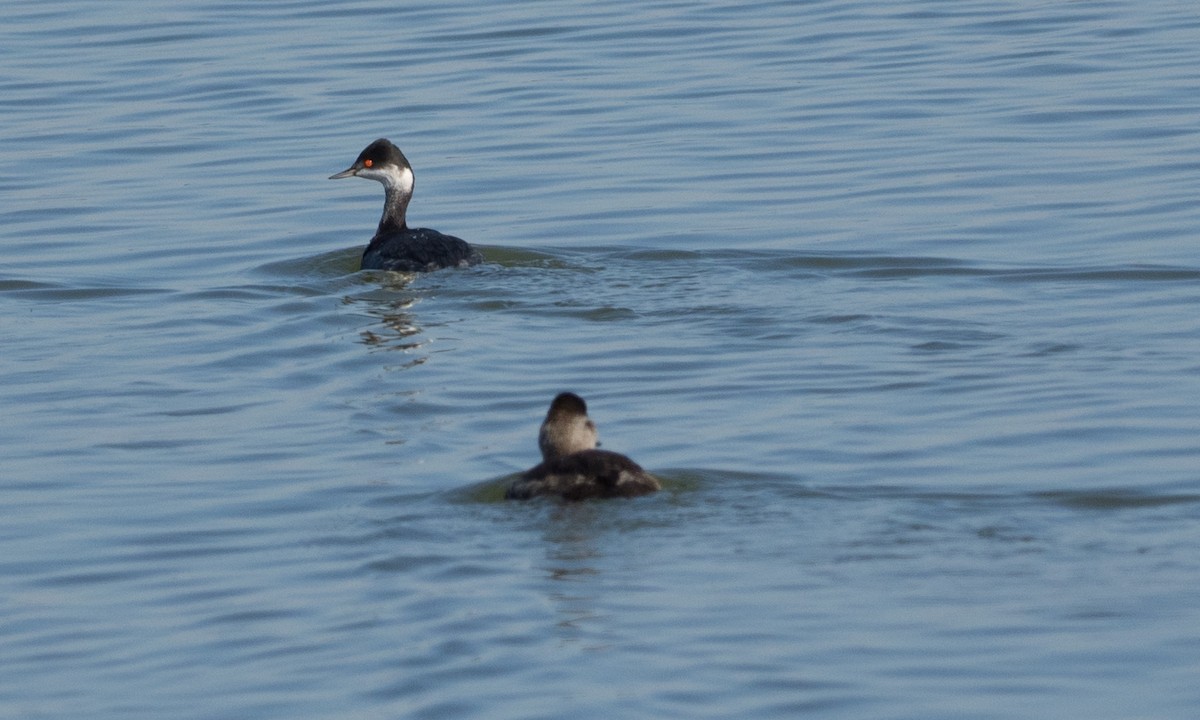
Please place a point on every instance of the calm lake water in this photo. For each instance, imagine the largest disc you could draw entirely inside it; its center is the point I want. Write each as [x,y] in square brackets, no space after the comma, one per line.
[900,299]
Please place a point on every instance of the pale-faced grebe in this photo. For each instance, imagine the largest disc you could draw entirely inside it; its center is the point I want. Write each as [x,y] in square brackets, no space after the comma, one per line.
[396,246]
[572,468]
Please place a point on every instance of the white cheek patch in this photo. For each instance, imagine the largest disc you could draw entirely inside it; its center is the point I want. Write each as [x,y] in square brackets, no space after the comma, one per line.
[393,178]
[403,179]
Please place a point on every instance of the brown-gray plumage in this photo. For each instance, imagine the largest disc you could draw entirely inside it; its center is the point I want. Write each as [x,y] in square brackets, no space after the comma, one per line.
[572,468]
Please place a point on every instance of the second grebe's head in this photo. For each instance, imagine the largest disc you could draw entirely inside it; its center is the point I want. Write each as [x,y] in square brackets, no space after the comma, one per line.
[567,428]
[383,162]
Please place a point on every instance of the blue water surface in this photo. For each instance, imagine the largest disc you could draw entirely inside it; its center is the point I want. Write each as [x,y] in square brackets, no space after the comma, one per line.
[900,300]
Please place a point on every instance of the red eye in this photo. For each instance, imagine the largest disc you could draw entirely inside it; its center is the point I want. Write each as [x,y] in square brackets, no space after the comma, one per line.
[368,163]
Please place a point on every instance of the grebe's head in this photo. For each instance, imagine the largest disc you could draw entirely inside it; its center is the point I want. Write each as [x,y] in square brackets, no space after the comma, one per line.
[567,428]
[383,162]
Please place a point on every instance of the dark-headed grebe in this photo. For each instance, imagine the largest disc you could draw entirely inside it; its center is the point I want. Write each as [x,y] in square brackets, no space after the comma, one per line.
[572,468]
[396,246]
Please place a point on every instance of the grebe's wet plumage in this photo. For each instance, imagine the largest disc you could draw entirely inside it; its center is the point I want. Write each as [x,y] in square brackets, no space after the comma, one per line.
[572,468]
[396,246]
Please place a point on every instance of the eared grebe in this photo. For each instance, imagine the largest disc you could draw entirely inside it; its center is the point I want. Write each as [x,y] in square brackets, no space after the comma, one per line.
[572,468]
[396,246]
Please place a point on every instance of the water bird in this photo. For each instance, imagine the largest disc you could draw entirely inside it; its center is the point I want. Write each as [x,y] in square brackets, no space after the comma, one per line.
[572,466]
[395,245]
